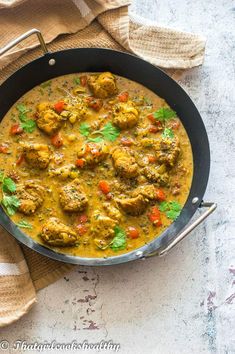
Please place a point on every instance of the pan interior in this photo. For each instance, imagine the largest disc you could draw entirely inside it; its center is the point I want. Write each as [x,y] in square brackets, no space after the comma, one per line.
[165,87]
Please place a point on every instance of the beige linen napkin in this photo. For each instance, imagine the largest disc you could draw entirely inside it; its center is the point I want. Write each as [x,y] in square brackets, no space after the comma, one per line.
[89,24]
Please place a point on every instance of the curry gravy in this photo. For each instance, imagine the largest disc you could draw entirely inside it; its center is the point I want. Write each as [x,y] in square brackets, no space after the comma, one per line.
[139,139]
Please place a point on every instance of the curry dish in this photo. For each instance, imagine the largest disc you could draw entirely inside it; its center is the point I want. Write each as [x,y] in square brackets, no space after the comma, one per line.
[93,165]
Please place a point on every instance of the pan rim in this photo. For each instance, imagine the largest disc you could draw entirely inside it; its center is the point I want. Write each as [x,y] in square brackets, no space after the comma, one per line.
[156,244]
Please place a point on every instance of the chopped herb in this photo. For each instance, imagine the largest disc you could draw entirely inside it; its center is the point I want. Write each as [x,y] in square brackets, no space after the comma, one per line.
[84,129]
[8,185]
[119,240]
[163,206]
[172,209]
[168,133]
[11,204]
[24,224]
[29,125]
[164,114]
[22,108]
[77,81]
[46,84]
[108,132]
[98,139]
[22,117]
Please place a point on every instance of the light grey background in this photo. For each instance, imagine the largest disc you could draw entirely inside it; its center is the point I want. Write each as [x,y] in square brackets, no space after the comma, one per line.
[183,303]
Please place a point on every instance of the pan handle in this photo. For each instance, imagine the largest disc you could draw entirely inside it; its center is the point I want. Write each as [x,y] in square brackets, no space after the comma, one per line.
[25,35]
[211,207]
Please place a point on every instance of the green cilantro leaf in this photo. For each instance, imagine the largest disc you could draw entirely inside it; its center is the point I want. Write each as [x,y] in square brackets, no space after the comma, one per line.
[84,129]
[24,224]
[8,185]
[164,114]
[175,206]
[11,204]
[172,214]
[110,132]
[119,240]
[46,84]
[98,139]
[168,133]
[29,125]
[77,81]
[172,209]
[22,108]
[23,117]
[164,206]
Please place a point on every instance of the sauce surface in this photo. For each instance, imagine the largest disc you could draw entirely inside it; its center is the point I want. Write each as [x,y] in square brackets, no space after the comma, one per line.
[93,165]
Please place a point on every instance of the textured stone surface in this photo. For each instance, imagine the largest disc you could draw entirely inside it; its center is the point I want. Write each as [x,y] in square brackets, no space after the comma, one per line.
[183,303]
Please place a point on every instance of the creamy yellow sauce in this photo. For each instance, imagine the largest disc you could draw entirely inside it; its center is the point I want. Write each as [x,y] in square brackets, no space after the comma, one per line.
[180,176]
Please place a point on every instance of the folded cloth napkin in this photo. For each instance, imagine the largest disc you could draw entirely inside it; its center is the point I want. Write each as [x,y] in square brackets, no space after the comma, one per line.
[89,24]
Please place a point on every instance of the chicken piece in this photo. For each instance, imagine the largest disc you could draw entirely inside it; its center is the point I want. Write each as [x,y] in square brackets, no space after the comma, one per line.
[153,175]
[140,198]
[72,197]
[102,226]
[125,115]
[81,107]
[146,142]
[31,196]
[55,233]
[133,206]
[36,155]
[148,191]
[76,110]
[64,172]
[44,105]
[93,153]
[124,162]
[48,120]
[103,85]
[167,150]
[112,211]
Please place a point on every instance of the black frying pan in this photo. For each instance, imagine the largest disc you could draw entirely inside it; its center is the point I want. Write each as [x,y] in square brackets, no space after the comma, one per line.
[69,61]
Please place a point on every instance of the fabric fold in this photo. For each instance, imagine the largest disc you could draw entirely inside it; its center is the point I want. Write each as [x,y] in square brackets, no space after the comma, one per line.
[52,18]
[160,46]
[17,292]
